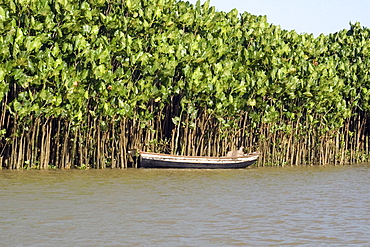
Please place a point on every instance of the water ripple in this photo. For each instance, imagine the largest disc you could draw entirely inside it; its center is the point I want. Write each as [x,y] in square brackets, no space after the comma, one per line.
[292,206]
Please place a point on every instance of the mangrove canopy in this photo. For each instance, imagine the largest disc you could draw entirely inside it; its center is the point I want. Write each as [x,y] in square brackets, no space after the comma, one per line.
[82,82]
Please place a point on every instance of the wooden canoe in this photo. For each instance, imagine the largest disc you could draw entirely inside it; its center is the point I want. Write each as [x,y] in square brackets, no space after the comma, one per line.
[156,160]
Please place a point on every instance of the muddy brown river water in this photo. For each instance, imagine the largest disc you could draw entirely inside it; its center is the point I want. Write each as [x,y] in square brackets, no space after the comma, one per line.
[295,206]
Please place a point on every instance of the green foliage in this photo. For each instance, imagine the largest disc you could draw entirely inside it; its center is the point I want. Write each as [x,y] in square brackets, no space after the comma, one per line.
[71,59]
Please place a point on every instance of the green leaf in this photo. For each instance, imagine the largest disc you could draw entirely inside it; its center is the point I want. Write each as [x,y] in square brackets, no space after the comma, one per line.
[33,44]
[86,94]
[128,4]
[308,94]
[2,133]
[85,6]
[3,72]
[3,14]
[176,120]
[251,102]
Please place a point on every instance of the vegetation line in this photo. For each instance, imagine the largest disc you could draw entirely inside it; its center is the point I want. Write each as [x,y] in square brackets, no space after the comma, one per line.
[82,82]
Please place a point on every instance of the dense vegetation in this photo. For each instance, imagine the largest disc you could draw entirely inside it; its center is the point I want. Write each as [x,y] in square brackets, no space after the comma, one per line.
[81,82]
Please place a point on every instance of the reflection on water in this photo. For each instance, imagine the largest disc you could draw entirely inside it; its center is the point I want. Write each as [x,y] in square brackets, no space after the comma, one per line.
[138,207]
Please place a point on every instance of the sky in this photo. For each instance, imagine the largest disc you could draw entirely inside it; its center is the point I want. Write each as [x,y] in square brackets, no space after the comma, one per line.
[304,16]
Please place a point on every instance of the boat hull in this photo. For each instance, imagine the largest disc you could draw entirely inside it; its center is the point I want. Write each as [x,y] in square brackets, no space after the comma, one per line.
[154,160]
